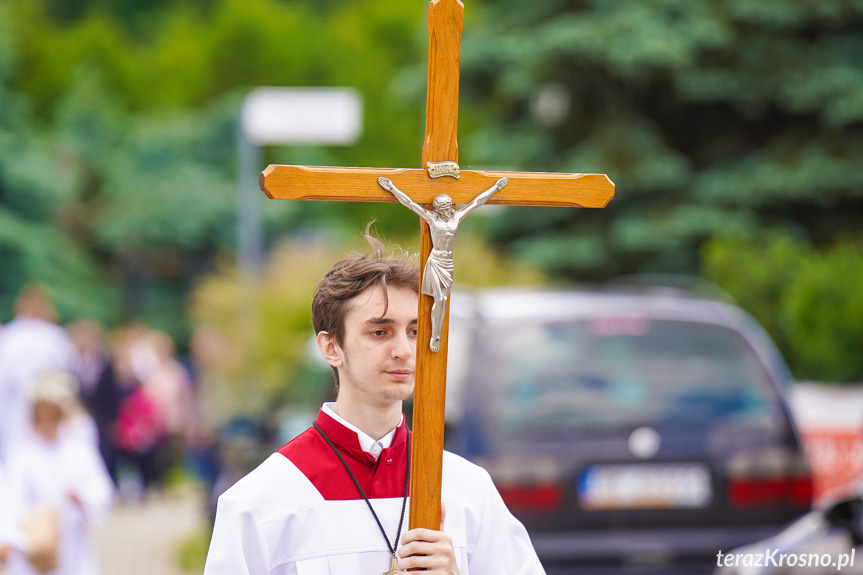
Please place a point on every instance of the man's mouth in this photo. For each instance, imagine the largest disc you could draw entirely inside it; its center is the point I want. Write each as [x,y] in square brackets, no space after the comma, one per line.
[400,373]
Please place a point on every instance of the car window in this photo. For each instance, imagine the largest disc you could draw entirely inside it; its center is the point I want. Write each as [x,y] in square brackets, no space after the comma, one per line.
[623,371]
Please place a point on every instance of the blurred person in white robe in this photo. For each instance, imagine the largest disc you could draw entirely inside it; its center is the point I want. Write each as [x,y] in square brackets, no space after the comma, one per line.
[56,469]
[10,535]
[30,345]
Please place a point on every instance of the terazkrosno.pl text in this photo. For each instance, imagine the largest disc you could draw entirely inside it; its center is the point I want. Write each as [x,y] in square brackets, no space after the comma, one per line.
[773,558]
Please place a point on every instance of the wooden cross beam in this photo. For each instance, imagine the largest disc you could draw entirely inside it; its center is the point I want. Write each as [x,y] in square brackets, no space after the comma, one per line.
[361,185]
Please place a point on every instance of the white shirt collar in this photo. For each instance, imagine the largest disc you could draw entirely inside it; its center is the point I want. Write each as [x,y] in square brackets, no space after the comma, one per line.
[367,443]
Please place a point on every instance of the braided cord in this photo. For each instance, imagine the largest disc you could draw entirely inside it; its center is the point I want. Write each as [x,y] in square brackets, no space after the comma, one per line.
[392,547]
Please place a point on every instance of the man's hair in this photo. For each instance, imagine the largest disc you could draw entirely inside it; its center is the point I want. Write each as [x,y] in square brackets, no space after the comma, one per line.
[351,276]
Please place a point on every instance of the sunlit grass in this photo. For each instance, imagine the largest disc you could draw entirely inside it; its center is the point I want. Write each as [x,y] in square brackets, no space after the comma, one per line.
[191,552]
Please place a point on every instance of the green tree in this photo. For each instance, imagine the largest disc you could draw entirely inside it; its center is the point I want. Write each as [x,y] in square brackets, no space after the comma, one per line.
[119,140]
[806,298]
[710,116]
[823,311]
[37,187]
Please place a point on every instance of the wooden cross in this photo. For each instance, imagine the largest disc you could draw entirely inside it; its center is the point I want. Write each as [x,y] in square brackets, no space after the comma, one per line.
[361,185]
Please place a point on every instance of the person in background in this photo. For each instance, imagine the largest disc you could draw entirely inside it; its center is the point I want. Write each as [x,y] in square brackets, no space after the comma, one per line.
[30,345]
[99,390]
[139,431]
[167,382]
[54,469]
[10,535]
[92,358]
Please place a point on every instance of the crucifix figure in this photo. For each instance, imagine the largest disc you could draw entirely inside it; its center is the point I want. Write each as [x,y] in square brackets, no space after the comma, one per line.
[440,175]
[443,223]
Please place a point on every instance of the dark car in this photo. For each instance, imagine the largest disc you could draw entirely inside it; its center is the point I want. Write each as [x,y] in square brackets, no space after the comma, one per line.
[627,431]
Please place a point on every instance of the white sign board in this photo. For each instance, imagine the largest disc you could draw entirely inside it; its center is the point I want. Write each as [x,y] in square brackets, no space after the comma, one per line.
[302,116]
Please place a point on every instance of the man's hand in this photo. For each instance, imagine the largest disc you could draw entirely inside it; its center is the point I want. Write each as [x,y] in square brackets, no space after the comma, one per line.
[429,551]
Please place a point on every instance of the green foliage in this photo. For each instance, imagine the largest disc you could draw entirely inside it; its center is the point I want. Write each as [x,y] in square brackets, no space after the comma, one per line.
[189,55]
[805,298]
[37,187]
[826,315]
[710,117]
[118,135]
[42,253]
[191,551]
[265,322]
[479,265]
[118,145]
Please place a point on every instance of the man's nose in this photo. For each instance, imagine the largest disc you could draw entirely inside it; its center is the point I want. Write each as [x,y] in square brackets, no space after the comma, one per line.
[403,347]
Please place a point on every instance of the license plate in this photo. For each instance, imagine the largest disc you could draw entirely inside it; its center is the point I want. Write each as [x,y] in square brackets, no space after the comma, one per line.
[646,486]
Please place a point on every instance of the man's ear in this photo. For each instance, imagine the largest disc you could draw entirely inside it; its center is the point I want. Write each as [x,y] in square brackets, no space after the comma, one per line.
[330,350]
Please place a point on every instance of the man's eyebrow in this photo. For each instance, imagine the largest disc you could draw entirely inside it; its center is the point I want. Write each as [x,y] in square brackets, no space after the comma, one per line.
[379,321]
[385,321]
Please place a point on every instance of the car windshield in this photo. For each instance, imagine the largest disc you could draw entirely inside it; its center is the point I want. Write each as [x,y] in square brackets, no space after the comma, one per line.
[622,371]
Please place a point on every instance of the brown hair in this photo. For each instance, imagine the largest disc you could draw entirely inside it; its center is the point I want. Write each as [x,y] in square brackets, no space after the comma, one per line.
[34,300]
[351,276]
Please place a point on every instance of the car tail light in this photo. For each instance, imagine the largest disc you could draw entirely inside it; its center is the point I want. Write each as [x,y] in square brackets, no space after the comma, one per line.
[540,496]
[801,491]
[758,491]
[777,476]
[527,481]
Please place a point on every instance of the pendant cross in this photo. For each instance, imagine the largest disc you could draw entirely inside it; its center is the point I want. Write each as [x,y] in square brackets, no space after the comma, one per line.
[394,567]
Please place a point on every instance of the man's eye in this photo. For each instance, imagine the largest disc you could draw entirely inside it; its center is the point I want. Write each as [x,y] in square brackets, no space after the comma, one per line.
[412,332]
[377,333]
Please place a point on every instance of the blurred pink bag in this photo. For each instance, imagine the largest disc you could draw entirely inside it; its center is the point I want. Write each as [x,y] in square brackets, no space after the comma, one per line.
[140,426]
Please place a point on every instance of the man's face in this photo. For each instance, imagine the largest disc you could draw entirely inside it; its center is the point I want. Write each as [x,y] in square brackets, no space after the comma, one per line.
[379,353]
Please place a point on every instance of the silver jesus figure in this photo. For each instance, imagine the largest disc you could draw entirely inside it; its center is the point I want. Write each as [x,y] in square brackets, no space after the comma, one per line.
[443,223]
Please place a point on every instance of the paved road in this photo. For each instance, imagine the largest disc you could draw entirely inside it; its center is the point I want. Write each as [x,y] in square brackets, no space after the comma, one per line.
[142,539]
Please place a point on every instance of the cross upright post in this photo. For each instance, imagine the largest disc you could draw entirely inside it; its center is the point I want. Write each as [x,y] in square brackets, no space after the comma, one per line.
[445,23]
[439,152]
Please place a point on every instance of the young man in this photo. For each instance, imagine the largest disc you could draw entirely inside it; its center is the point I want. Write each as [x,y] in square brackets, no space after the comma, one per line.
[333,500]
